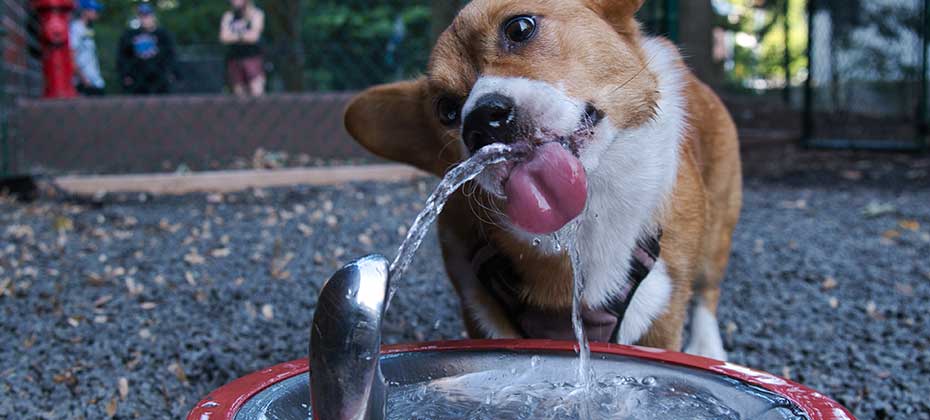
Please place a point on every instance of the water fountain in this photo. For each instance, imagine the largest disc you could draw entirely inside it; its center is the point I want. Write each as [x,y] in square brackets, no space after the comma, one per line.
[355,378]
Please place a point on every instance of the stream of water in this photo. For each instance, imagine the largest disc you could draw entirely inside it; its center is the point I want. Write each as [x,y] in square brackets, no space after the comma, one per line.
[585,374]
[454,179]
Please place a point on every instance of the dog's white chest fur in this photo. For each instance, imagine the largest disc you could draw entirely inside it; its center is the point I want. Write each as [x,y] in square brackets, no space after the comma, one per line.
[631,174]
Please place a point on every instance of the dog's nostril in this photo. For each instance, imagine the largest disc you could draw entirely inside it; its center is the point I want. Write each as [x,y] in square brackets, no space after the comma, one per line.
[491,120]
[500,116]
[593,115]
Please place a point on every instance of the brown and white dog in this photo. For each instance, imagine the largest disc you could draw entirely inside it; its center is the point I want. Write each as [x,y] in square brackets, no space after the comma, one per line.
[623,139]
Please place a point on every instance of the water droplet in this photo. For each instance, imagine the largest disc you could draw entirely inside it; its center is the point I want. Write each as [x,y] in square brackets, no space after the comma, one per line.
[210,404]
[535,361]
[649,381]
[536,242]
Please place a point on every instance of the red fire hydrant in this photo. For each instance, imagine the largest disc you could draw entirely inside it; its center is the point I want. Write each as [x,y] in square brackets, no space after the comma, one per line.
[57,63]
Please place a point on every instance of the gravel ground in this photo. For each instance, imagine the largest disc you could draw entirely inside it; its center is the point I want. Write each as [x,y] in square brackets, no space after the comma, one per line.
[136,307]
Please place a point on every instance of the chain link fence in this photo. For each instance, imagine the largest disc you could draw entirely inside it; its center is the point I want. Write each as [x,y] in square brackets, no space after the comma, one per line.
[868,84]
[20,77]
[200,124]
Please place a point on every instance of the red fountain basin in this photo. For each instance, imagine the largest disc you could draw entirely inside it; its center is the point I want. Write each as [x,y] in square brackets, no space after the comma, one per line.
[283,389]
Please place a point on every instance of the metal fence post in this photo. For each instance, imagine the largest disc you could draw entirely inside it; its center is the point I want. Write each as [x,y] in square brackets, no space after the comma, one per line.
[924,104]
[807,125]
[671,19]
[6,160]
[786,26]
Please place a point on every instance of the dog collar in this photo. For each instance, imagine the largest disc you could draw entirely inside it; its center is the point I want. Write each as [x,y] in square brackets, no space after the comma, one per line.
[496,273]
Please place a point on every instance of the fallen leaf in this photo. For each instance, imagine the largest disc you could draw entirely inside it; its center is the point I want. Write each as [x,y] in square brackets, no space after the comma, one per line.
[876,209]
[178,371]
[305,230]
[102,300]
[731,329]
[268,312]
[63,224]
[135,288]
[123,385]
[794,205]
[95,280]
[194,258]
[852,175]
[66,378]
[111,408]
[911,225]
[148,305]
[145,334]
[834,303]
[189,277]
[891,234]
[220,253]
[829,283]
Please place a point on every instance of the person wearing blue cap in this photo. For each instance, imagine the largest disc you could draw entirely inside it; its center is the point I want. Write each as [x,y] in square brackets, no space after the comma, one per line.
[87,76]
[146,58]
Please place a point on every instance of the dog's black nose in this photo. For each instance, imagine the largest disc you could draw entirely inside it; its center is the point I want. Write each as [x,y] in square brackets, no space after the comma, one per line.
[492,120]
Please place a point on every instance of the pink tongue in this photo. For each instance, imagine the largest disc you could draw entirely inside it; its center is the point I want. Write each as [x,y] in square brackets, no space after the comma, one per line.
[547,192]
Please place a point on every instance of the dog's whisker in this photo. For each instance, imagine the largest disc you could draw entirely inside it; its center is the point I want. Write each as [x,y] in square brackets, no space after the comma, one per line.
[632,78]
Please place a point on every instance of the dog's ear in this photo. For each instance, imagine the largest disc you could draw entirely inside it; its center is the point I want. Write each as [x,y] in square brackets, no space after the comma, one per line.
[393,121]
[618,12]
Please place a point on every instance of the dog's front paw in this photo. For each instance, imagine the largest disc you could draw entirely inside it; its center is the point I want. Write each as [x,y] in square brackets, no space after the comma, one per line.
[705,335]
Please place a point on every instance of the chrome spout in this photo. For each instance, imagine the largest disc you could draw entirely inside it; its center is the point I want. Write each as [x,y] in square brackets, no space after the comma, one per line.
[345,343]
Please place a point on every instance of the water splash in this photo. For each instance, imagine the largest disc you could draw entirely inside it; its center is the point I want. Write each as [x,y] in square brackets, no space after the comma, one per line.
[454,179]
[585,373]
[534,393]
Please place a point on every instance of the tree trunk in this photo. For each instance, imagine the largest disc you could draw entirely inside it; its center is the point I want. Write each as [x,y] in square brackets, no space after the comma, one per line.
[444,12]
[283,22]
[695,28]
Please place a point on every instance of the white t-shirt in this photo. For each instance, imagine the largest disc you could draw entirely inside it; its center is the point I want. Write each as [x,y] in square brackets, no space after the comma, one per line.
[85,52]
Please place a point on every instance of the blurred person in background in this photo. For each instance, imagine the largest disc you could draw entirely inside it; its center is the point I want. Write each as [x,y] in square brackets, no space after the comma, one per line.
[241,30]
[87,76]
[146,59]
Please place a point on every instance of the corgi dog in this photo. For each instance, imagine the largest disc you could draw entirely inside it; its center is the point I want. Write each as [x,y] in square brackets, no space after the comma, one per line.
[631,159]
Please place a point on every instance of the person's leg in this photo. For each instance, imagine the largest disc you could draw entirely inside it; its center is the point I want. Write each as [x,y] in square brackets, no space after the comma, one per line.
[254,70]
[257,85]
[235,76]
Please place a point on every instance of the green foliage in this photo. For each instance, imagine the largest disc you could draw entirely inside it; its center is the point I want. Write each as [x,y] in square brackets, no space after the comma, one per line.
[765,22]
[345,43]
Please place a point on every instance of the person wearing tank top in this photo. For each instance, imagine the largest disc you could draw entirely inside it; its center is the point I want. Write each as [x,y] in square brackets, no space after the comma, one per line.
[241,31]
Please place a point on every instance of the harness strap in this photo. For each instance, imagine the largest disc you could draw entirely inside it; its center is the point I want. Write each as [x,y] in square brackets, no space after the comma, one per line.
[496,273]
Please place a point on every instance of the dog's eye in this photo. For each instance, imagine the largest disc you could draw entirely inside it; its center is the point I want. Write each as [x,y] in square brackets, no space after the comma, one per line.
[520,29]
[448,110]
